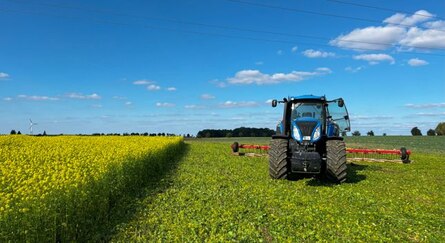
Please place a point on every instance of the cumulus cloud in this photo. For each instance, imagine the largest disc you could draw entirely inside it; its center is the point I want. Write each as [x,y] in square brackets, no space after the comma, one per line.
[421,38]
[80,96]
[415,62]
[401,31]
[294,49]
[233,104]
[440,25]
[171,89]
[317,54]
[207,96]
[425,106]
[164,104]
[403,19]
[375,58]
[353,70]
[194,107]
[4,75]
[369,38]
[153,87]
[259,78]
[431,114]
[36,98]
[142,82]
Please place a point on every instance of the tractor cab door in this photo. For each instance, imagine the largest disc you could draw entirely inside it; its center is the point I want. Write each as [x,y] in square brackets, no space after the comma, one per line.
[337,118]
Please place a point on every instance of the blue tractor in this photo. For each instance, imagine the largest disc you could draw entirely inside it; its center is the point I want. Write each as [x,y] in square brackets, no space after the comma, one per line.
[308,138]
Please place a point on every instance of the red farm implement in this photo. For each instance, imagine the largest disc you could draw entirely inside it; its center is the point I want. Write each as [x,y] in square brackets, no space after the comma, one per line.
[353,154]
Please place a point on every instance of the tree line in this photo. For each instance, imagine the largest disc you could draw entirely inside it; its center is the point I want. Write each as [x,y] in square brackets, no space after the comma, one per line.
[415,131]
[237,132]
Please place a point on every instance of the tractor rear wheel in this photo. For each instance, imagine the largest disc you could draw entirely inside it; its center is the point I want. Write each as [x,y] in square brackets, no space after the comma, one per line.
[336,161]
[278,168]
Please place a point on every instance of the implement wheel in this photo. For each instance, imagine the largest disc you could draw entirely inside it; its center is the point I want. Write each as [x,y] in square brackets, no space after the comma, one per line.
[278,159]
[336,161]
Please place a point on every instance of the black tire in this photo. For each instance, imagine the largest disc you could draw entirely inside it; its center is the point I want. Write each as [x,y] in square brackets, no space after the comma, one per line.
[404,156]
[336,161]
[278,166]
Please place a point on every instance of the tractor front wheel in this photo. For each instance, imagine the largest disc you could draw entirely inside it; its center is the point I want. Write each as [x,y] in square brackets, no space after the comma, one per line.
[278,168]
[336,161]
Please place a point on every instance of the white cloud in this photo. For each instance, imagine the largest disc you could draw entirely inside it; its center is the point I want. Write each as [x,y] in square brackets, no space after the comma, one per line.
[353,70]
[426,106]
[80,96]
[4,76]
[218,83]
[171,89]
[402,19]
[119,97]
[37,97]
[232,104]
[294,49]
[369,38]
[259,63]
[431,114]
[421,38]
[415,62]
[194,107]
[259,78]
[440,25]
[405,37]
[316,54]
[7,99]
[375,58]
[164,105]
[269,101]
[128,103]
[207,96]
[153,87]
[142,82]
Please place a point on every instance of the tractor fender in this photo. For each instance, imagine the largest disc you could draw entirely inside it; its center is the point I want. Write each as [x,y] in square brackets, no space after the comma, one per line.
[279,136]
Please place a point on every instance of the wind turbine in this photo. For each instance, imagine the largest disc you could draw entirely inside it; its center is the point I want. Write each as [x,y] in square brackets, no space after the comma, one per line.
[31,124]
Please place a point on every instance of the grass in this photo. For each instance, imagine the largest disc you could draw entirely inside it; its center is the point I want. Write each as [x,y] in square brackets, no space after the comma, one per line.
[214,196]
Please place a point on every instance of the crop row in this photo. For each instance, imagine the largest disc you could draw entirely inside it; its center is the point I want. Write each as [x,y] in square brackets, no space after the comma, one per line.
[65,188]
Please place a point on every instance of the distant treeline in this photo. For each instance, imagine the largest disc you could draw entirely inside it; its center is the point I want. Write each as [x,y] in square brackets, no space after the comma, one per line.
[237,132]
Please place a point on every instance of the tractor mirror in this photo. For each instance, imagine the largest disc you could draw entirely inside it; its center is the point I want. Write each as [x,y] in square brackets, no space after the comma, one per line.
[274,103]
[341,103]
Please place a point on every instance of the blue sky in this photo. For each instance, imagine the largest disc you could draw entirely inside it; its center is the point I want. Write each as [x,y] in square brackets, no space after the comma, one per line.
[182,66]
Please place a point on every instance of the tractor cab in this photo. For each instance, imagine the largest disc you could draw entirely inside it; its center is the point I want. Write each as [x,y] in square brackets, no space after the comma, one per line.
[309,134]
[307,118]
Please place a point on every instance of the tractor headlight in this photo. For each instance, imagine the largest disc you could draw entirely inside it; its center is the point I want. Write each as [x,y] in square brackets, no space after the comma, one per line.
[296,133]
[317,134]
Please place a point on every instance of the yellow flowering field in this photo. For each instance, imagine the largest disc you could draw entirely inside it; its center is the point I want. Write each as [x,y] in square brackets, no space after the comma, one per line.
[64,188]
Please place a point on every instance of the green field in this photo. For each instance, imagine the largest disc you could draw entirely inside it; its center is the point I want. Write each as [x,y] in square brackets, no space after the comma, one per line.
[127,189]
[211,195]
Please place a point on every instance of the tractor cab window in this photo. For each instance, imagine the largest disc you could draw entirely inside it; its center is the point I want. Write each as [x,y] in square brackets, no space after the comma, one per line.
[306,110]
[338,115]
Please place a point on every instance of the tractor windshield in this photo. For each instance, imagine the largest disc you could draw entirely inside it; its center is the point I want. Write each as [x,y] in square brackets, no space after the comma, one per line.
[308,110]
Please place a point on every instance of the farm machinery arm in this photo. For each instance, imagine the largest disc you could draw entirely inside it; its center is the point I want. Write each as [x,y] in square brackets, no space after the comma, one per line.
[401,154]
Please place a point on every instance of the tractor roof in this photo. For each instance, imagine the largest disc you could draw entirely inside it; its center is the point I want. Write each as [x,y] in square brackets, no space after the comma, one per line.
[307,97]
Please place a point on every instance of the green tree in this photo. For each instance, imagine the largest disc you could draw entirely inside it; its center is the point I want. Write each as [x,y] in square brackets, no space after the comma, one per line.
[370,133]
[431,132]
[356,133]
[13,132]
[440,129]
[416,131]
